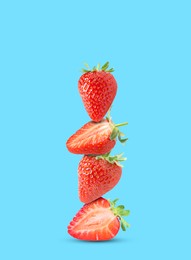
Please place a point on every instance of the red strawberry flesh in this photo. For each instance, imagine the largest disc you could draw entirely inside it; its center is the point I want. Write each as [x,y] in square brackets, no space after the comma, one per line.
[96,177]
[92,138]
[98,90]
[95,221]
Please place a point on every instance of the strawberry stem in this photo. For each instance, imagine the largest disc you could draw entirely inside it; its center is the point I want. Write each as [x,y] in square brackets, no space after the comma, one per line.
[121,124]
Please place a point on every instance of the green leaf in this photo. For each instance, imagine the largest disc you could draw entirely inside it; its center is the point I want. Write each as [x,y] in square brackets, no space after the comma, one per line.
[87,66]
[125,213]
[98,67]
[121,134]
[105,66]
[111,159]
[120,207]
[114,133]
[120,158]
[114,201]
[124,224]
[122,140]
[110,70]
[84,70]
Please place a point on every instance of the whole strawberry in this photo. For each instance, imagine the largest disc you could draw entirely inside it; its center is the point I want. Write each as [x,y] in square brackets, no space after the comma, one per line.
[97,89]
[98,221]
[98,175]
[95,138]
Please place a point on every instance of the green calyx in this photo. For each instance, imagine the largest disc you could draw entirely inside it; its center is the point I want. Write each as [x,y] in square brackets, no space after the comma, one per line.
[112,159]
[105,67]
[120,212]
[116,133]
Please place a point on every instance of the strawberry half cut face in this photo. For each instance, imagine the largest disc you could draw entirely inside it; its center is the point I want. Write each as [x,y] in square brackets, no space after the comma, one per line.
[95,221]
[98,221]
[92,138]
[95,138]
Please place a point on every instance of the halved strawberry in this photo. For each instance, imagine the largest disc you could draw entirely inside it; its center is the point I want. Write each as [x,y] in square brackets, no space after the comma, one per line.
[98,220]
[95,138]
[97,89]
[98,175]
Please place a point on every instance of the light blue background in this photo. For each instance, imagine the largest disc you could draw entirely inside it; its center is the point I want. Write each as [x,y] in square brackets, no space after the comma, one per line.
[43,45]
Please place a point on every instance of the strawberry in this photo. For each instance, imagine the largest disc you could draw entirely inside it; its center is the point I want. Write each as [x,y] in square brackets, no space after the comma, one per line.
[98,175]
[97,89]
[98,220]
[95,138]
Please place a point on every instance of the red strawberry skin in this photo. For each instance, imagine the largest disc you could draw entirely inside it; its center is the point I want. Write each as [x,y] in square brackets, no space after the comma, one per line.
[96,177]
[97,90]
[94,222]
[92,138]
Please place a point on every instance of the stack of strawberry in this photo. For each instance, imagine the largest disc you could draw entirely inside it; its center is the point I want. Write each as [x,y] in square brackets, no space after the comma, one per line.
[98,171]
